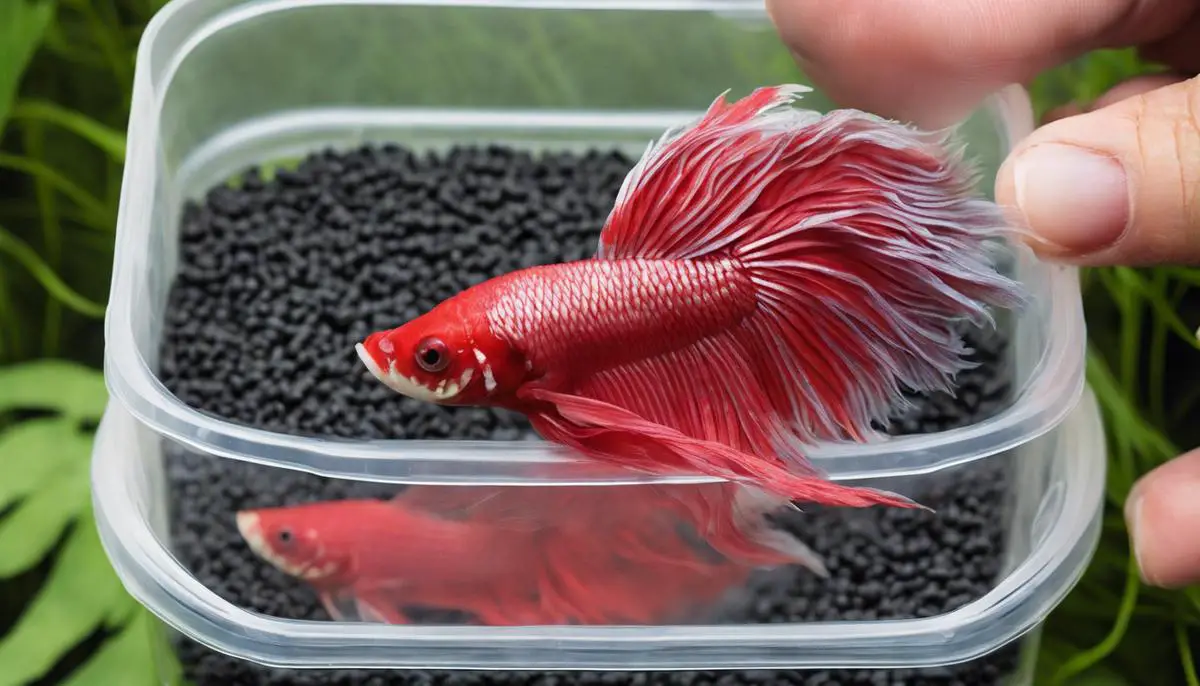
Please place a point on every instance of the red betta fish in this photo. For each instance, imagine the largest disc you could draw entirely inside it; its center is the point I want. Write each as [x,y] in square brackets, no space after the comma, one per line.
[526,555]
[768,278]
[342,550]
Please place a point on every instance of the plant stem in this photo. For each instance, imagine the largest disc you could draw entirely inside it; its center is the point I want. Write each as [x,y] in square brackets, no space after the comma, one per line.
[103,34]
[51,239]
[1185,655]
[10,348]
[1088,658]
[96,210]
[1131,331]
[22,253]
[110,141]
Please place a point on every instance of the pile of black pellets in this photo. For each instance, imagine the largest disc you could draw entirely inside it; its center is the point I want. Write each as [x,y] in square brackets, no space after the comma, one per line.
[281,273]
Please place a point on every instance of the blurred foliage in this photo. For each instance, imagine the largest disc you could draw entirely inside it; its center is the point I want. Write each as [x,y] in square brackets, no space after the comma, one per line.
[66,69]
[49,412]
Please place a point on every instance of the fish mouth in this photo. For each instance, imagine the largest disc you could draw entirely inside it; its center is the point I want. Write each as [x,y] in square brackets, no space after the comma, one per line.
[410,386]
[370,363]
[249,525]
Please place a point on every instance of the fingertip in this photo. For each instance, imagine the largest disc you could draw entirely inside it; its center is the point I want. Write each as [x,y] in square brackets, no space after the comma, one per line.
[1163,517]
[1072,199]
[1113,185]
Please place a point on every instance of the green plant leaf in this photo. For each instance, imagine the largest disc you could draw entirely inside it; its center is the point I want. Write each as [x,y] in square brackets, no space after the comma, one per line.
[80,594]
[44,469]
[32,529]
[126,659]
[34,451]
[76,391]
[23,23]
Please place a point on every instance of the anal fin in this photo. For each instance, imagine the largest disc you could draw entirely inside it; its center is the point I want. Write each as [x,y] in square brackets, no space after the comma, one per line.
[338,604]
[605,431]
[377,608]
[709,390]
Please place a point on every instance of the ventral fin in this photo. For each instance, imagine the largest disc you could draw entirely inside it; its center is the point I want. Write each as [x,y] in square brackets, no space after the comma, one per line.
[376,608]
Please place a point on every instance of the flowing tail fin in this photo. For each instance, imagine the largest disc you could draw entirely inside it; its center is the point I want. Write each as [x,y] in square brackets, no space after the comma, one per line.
[606,431]
[666,551]
[864,248]
[863,238]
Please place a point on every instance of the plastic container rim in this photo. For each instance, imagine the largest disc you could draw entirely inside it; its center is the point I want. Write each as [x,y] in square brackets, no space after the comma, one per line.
[1054,385]
[1059,554]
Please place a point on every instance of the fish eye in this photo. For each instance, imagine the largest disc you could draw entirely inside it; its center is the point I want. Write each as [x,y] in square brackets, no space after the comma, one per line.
[285,535]
[432,355]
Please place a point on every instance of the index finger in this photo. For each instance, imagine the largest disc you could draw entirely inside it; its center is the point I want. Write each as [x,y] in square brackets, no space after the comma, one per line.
[932,61]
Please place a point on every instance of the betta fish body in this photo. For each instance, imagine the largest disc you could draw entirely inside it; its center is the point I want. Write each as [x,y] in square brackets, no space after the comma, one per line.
[768,278]
[363,554]
[526,555]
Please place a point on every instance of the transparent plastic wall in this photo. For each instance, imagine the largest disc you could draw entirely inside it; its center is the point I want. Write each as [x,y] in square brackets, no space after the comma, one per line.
[221,86]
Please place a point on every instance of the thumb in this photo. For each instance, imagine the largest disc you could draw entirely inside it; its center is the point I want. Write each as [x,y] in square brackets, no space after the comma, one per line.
[1117,185]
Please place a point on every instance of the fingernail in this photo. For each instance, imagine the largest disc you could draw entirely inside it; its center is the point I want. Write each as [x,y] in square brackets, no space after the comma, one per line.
[1133,517]
[1076,200]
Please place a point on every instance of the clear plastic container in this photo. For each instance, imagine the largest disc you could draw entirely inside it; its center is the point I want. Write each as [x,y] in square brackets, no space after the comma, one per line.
[222,84]
[1054,493]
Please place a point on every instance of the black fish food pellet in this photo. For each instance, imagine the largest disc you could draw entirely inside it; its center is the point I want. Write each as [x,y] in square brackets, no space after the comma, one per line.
[279,277]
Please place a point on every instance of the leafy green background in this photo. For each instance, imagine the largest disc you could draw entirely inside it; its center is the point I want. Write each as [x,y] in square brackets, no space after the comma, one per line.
[66,68]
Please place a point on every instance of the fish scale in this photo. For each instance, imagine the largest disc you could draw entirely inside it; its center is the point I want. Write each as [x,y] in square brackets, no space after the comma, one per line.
[610,311]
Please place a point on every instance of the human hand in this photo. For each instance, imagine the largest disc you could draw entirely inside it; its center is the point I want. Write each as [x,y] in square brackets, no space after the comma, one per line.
[1115,183]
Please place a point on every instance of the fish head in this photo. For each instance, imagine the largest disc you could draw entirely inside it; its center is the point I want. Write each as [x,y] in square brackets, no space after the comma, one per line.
[443,357]
[310,542]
